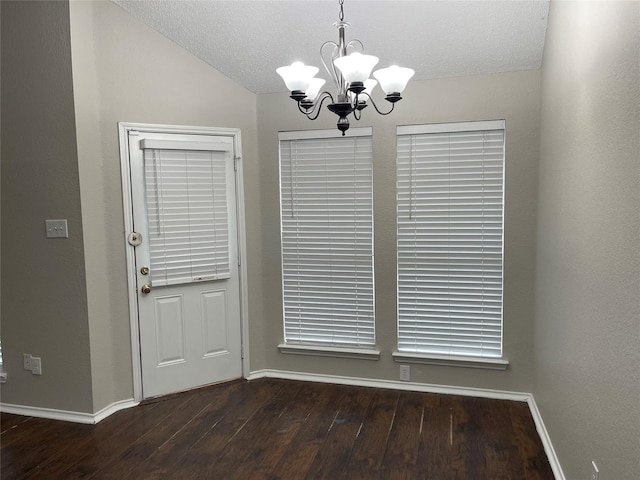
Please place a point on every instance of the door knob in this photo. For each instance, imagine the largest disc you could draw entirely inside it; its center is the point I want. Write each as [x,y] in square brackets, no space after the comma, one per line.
[146,289]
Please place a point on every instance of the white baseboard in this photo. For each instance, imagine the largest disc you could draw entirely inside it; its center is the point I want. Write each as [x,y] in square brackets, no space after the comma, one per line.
[66,415]
[545,439]
[392,384]
[429,388]
[113,408]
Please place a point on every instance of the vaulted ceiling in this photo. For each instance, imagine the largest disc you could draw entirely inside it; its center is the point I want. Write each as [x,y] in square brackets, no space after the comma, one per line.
[248,40]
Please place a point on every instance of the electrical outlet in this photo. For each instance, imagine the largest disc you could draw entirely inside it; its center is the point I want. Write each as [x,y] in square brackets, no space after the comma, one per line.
[595,473]
[36,366]
[405,373]
[26,358]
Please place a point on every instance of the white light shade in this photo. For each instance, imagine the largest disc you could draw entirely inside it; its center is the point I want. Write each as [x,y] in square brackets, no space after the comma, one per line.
[393,79]
[297,76]
[356,67]
[314,87]
[369,85]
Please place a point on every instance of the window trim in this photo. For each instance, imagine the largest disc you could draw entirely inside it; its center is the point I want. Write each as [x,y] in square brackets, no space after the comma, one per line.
[451,360]
[364,353]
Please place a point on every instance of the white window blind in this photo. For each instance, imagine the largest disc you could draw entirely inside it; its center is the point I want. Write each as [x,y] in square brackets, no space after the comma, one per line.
[187,215]
[327,238]
[450,185]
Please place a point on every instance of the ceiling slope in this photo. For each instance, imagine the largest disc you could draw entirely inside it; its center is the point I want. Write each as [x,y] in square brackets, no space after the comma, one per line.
[248,40]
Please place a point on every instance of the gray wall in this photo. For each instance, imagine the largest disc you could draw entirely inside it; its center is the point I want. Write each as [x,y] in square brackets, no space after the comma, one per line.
[587,336]
[514,97]
[124,71]
[44,301]
[60,151]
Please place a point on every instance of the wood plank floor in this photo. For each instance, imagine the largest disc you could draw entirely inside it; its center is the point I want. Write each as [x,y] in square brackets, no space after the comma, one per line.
[278,429]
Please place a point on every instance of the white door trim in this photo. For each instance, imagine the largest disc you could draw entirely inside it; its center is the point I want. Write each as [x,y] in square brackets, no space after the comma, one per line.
[123,132]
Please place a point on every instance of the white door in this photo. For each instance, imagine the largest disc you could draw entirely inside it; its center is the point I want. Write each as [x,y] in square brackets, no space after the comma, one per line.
[186,263]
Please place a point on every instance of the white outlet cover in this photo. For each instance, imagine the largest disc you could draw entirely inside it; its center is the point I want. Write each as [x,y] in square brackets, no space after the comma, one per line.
[36,366]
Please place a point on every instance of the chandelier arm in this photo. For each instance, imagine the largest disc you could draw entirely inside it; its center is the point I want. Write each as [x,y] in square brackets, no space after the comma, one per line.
[339,79]
[353,43]
[331,68]
[376,107]
[355,114]
[317,107]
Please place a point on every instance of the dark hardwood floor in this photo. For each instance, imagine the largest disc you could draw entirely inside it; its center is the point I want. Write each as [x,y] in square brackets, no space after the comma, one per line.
[280,429]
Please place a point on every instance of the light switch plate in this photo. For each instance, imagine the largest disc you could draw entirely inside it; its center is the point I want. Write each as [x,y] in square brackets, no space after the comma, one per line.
[57,228]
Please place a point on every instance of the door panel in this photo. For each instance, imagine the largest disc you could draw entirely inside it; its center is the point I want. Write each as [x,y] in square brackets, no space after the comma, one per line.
[184,207]
[214,335]
[169,323]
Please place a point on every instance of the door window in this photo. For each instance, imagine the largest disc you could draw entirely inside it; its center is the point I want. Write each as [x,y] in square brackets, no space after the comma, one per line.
[186,201]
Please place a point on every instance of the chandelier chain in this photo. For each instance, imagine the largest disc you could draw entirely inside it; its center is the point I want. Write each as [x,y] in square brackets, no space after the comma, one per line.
[341,10]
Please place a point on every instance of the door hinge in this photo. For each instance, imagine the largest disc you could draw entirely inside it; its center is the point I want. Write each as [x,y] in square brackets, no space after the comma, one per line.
[235,163]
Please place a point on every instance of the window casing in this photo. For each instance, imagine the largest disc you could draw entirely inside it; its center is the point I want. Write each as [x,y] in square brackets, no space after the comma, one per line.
[450,204]
[327,238]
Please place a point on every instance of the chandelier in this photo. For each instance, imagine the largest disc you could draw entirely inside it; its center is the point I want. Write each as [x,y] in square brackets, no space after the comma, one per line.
[349,69]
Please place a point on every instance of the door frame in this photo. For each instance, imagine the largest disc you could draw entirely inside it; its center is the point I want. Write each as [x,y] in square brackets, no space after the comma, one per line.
[123,134]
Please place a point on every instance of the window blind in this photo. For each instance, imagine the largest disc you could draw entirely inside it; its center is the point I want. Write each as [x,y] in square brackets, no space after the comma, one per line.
[187,215]
[450,190]
[327,238]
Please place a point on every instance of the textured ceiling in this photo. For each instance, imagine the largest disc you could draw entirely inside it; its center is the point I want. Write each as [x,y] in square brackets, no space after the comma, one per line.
[248,40]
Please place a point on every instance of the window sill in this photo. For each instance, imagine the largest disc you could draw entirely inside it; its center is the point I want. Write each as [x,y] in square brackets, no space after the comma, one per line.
[327,351]
[452,360]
